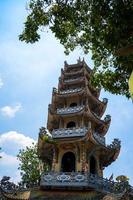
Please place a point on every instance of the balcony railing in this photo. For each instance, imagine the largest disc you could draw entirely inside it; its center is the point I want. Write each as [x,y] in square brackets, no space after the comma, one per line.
[73,79]
[79,180]
[70,80]
[69,132]
[70,91]
[99,138]
[69,110]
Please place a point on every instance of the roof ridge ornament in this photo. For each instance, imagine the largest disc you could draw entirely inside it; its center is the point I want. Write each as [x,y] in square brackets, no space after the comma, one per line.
[79,60]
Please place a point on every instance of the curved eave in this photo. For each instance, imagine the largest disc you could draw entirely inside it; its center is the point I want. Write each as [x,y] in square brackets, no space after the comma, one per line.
[96,141]
[101,104]
[94,91]
[108,155]
[94,118]
[102,109]
[104,128]
[71,66]
[71,73]
[45,149]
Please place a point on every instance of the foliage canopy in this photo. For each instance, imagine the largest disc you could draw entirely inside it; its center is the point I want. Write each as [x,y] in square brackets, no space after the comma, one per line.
[30,165]
[102,27]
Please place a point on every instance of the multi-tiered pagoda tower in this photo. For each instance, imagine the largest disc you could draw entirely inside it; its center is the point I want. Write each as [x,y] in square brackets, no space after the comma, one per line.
[77,152]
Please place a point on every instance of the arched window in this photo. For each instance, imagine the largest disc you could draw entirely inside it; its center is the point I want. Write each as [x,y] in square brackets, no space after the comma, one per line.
[68,162]
[71,124]
[73,104]
[93,169]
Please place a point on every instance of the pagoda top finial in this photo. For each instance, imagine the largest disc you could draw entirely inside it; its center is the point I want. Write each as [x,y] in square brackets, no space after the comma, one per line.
[65,63]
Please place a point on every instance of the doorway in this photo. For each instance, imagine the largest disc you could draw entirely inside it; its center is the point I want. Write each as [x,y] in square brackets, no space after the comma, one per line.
[93,169]
[68,162]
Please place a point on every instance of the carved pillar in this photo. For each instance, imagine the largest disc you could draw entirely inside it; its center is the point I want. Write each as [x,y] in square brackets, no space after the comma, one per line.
[82,121]
[54,161]
[61,123]
[56,155]
[83,158]
[78,153]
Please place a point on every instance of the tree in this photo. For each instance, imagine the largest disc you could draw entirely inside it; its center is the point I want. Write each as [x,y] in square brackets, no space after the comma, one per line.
[30,165]
[103,27]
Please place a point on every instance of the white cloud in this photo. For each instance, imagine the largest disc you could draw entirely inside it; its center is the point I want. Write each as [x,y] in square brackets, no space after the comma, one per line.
[1,83]
[10,111]
[9,167]
[8,160]
[13,140]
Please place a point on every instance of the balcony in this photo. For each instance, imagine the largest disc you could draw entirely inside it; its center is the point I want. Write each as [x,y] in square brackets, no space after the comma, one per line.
[74,80]
[69,110]
[80,180]
[70,91]
[71,80]
[69,132]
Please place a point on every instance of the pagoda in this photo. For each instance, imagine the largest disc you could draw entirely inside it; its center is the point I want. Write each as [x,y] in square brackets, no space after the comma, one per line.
[76,151]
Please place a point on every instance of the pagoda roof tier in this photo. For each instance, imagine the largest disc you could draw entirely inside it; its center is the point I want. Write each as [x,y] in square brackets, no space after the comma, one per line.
[96,100]
[101,125]
[107,153]
[71,73]
[79,64]
[110,153]
[100,106]
[72,83]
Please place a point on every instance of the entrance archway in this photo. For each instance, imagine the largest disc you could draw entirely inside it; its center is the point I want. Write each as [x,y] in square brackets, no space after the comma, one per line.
[71,124]
[68,162]
[93,169]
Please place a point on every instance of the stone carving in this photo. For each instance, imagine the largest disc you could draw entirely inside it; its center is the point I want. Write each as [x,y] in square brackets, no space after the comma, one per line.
[69,110]
[84,179]
[105,100]
[116,144]
[109,197]
[69,132]
[107,118]
[71,91]
[9,190]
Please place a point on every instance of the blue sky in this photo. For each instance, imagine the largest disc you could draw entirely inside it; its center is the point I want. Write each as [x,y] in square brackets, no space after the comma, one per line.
[27,75]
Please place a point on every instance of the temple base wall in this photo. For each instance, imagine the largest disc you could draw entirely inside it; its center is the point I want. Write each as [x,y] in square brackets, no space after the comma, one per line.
[39,194]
